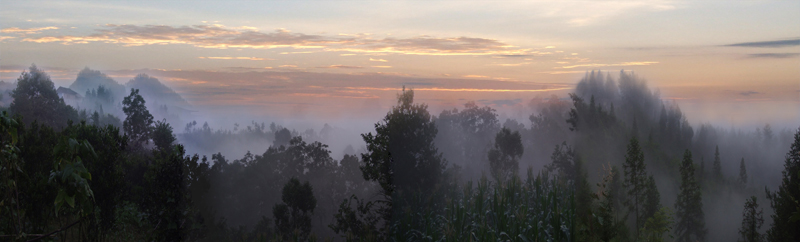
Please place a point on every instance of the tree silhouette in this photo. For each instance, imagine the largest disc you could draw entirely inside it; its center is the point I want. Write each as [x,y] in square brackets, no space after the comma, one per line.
[293,216]
[784,200]
[717,165]
[36,99]
[138,124]
[691,223]
[163,137]
[742,173]
[503,158]
[635,181]
[751,221]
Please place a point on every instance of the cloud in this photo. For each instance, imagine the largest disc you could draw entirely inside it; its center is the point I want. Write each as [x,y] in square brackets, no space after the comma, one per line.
[288,66]
[26,31]
[476,76]
[634,63]
[222,37]
[501,102]
[341,67]
[378,60]
[768,44]
[6,37]
[515,64]
[382,66]
[773,55]
[230,58]
[748,93]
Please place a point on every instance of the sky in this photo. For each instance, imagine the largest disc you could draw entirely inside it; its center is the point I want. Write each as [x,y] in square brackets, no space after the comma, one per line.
[727,62]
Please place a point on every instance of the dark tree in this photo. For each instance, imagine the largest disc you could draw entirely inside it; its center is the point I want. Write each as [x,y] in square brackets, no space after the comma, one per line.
[401,155]
[652,201]
[784,200]
[691,225]
[742,173]
[282,137]
[717,165]
[635,181]
[751,222]
[503,158]
[138,124]
[163,137]
[293,216]
[36,99]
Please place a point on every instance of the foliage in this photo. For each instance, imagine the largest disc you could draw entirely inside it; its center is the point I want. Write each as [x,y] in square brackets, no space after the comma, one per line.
[504,157]
[636,182]
[539,208]
[163,137]
[293,216]
[742,173]
[751,221]
[138,123]
[656,226]
[691,220]
[36,99]
[402,157]
[784,200]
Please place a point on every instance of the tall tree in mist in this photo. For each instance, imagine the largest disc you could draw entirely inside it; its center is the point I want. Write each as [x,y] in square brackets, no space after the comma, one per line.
[36,99]
[163,137]
[401,155]
[504,157]
[742,173]
[293,216]
[652,201]
[784,200]
[691,225]
[752,220]
[717,165]
[635,180]
[138,124]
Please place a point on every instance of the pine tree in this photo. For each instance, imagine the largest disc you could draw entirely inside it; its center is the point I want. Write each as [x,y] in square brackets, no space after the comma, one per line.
[751,221]
[691,224]
[717,165]
[742,173]
[784,200]
[635,180]
[652,202]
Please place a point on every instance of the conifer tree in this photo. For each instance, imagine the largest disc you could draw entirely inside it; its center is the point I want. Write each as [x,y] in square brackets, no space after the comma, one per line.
[784,200]
[751,221]
[717,165]
[635,180]
[691,224]
[652,202]
[742,173]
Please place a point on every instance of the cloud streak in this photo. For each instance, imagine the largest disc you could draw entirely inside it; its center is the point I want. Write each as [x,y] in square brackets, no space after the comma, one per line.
[223,37]
[633,63]
[773,55]
[768,44]
[26,31]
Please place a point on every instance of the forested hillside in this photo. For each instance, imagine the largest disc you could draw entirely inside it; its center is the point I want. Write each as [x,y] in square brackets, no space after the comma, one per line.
[610,162]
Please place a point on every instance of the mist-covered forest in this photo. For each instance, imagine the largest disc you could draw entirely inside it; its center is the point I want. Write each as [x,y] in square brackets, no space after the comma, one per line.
[613,161]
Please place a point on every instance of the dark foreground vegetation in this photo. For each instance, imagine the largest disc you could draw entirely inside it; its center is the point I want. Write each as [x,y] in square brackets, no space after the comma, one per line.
[611,163]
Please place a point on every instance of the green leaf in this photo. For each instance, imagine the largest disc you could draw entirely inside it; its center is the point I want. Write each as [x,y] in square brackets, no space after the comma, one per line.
[71,201]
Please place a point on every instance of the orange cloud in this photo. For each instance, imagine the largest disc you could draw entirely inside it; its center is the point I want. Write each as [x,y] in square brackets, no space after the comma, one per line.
[222,37]
[635,63]
[26,31]
[230,58]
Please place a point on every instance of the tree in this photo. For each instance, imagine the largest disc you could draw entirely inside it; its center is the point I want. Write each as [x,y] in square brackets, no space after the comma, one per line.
[293,216]
[503,158]
[635,181]
[717,165]
[691,224]
[742,173]
[652,201]
[36,99]
[163,137]
[751,221]
[138,123]
[784,200]
[401,155]
[657,225]
[282,137]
